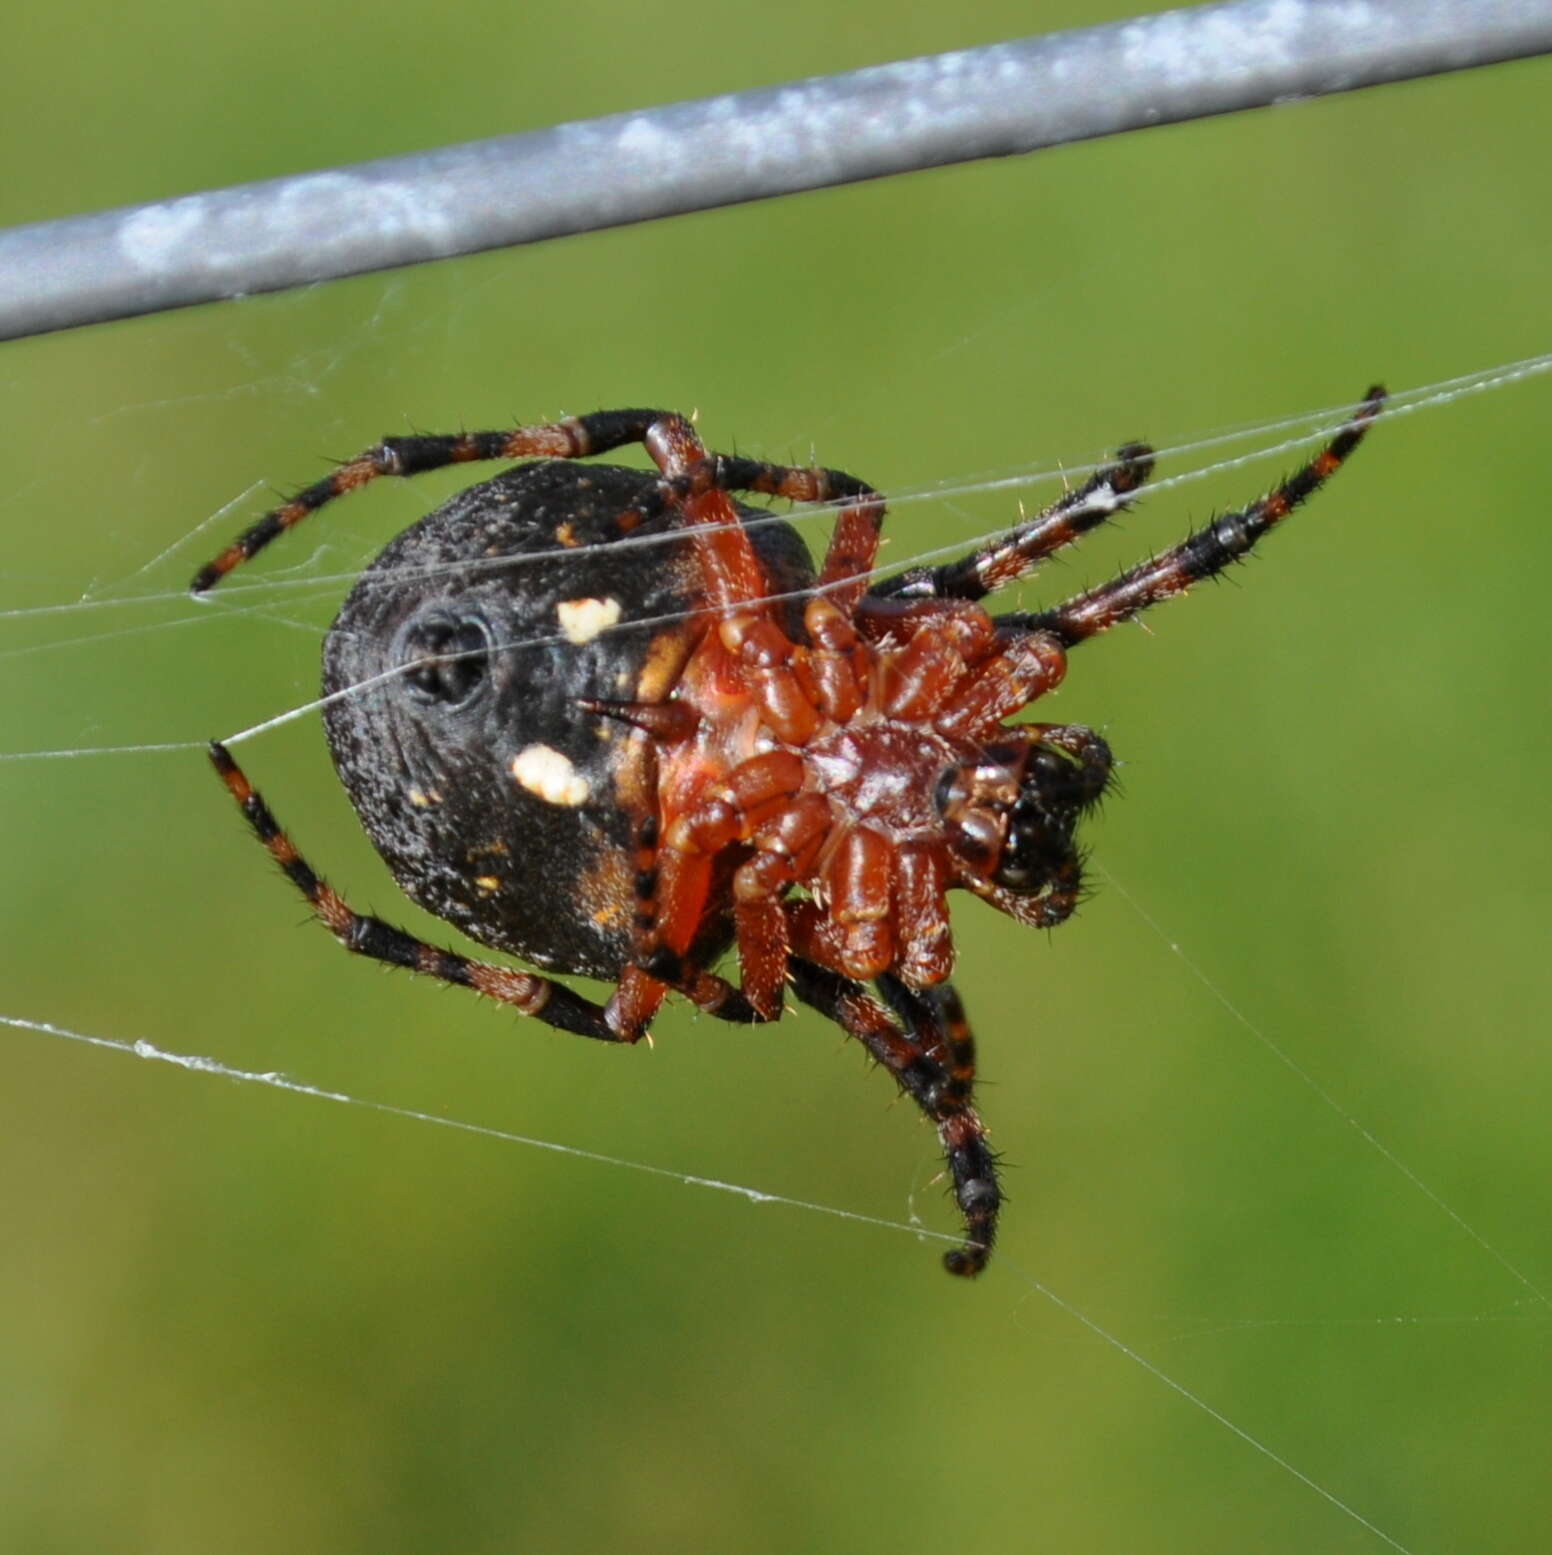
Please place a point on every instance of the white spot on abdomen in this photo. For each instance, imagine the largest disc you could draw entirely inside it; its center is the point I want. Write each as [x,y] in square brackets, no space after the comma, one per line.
[583,619]
[549,775]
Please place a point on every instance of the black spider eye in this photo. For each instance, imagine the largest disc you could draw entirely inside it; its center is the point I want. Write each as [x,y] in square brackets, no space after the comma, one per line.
[446,656]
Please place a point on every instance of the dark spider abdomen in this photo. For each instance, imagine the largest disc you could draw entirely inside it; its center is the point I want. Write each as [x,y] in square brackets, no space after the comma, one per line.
[497,802]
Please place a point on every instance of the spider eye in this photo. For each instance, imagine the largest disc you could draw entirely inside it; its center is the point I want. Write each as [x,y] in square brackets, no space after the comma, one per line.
[446,657]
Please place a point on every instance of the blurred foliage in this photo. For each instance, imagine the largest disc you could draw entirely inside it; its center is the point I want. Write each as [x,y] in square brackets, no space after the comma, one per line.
[238,1320]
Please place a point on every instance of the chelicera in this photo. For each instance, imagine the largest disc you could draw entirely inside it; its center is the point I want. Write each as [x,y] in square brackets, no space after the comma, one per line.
[614,723]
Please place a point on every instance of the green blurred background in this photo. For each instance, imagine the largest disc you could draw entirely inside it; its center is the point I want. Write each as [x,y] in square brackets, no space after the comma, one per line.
[237,1320]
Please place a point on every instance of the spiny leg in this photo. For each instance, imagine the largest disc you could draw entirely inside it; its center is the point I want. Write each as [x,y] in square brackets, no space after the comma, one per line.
[931,1056]
[1201,555]
[573,438]
[972,1164]
[552,1003]
[1105,493]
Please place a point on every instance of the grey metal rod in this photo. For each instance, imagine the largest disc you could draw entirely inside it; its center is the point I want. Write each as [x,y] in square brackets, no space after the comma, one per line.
[985,102]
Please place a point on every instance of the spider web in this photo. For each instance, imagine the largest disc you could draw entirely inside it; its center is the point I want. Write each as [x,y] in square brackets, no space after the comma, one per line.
[1333,821]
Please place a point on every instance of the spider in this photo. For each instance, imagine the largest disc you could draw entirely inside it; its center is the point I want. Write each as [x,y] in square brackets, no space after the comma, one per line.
[613,722]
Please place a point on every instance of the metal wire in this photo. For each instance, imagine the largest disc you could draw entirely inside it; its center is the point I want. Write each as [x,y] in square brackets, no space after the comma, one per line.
[986,102]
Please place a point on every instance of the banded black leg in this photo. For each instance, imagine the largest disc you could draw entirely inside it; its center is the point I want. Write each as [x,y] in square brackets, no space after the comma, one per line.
[573,438]
[939,1013]
[1105,493]
[1204,554]
[552,1003]
[931,1055]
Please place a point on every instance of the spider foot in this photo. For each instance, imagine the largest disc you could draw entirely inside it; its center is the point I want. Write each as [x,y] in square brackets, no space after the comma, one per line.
[974,1170]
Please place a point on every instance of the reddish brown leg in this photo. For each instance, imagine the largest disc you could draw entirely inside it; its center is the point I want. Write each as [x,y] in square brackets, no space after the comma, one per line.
[674,880]
[641,990]
[925,953]
[966,626]
[836,664]
[731,570]
[853,546]
[1026,666]
[735,581]
[856,880]
[1109,489]
[946,661]
[785,849]
[1202,555]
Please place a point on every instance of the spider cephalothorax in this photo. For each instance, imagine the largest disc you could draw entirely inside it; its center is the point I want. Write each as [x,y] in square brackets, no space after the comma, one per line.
[614,722]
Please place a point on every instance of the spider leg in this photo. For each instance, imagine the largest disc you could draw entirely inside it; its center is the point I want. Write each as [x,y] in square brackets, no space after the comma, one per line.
[1105,493]
[550,1002]
[971,1163]
[931,1055]
[853,544]
[735,582]
[786,848]
[854,540]
[1054,905]
[857,931]
[573,438]
[756,803]
[1203,554]
[926,943]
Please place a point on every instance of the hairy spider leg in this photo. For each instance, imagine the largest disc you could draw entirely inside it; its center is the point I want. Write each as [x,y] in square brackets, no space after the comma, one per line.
[529,994]
[971,1161]
[931,1055]
[550,1002]
[1109,490]
[575,437]
[1204,554]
